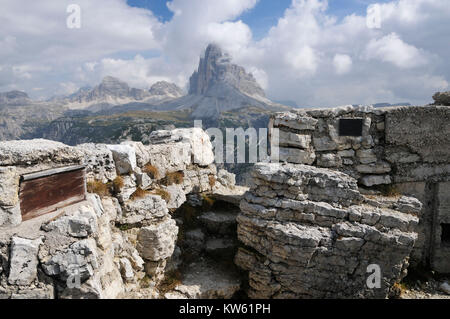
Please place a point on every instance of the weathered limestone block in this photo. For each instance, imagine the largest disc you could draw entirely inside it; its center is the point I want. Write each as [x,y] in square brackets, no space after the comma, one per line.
[372,180]
[142,179]
[366,156]
[340,111]
[176,194]
[23,261]
[329,160]
[322,144]
[111,207]
[157,242]
[293,155]
[126,269]
[309,242]
[80,258]
[99,160]
[199,179]
[305,182]
[200,144]
[150,208]
[290,139]
[376,168]
[169,157]
[347,153]
[79,224]
[141,151]
[10,215]
[294,121]
[9,186]
[124,158]
[40,152]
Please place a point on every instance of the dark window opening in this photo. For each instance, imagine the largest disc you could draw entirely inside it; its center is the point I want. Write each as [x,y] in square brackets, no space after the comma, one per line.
[350,127]
[445,236]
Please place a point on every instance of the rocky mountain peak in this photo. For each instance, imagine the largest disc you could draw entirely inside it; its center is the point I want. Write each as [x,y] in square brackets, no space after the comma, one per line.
[164,88]
[113,86]
[216,73]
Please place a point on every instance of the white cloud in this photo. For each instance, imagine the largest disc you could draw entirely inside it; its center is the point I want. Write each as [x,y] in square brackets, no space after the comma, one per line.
[342,63]
[392,49]
[309,55]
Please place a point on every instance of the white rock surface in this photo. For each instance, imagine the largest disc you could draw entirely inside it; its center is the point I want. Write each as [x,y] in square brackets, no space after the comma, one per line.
[157,242]
[99,160]
[23,261]
[200,143]
[124,157]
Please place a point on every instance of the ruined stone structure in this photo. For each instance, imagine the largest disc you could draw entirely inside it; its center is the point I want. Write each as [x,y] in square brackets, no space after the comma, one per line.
[403,150]
[309,233]
[355,190]
[119,240]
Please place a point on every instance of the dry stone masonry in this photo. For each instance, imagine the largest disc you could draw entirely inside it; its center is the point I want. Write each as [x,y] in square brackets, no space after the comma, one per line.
[309,233]
[356,191]
[403,150]
[121,240]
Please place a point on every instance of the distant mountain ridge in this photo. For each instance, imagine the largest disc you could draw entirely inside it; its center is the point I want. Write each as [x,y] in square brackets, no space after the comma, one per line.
[112,91]
[14,98]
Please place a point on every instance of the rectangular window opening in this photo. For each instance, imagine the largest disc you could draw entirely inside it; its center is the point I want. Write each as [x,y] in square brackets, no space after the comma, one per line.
[350,127]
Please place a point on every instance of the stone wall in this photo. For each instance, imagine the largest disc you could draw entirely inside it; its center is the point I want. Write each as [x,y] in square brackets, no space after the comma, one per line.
[401,149]
[120,241]
[309,233]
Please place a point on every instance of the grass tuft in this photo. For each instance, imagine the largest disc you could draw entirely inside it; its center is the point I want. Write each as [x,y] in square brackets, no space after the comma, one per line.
[138,193]
[152,171]
[117,184]
[161,192]
[212,180]
[389,190]
[173,178]
[97,187]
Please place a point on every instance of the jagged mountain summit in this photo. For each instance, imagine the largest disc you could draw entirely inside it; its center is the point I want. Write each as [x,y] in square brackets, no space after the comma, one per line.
[215,70]
[218,86]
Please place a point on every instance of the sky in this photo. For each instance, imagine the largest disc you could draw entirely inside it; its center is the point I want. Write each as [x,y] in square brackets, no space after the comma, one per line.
[312,52]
